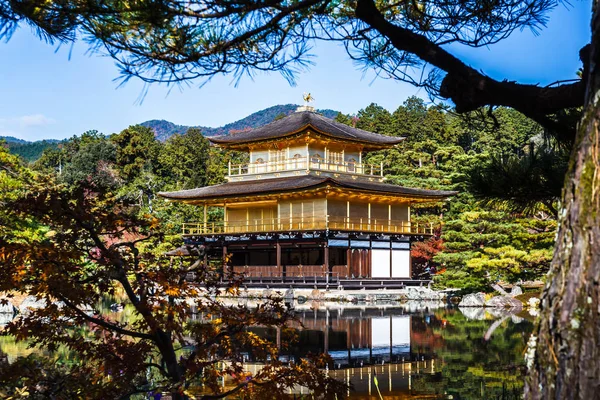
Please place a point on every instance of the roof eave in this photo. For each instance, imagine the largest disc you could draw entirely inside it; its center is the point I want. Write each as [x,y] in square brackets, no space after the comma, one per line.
[244,143]
[216,199]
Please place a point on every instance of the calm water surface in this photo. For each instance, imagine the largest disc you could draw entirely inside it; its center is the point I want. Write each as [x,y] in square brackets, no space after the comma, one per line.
[413,351]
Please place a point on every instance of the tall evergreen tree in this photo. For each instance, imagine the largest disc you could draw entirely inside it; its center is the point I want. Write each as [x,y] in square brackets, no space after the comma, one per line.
[184,159]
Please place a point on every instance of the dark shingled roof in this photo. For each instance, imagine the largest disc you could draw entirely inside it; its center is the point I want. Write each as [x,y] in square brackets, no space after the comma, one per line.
[297,122]
[291,184]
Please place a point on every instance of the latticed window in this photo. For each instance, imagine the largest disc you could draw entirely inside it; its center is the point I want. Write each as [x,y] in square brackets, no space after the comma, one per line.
[276,159]
[336,157]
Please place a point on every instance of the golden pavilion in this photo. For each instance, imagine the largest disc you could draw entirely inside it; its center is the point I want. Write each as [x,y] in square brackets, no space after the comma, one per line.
[306,205]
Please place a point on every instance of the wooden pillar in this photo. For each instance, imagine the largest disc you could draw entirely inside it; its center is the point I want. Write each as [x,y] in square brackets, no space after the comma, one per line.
[247,229]
[225,217]
[205,216]
[360,262]
[348,262]
[408,216]
[326,260]
[278,251]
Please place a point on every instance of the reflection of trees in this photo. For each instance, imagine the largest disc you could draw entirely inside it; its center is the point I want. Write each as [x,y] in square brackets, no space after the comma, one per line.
[425,334]
[473,368]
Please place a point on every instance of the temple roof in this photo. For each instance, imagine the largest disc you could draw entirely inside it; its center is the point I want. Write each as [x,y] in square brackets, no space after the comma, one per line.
[299,121]
[298,183]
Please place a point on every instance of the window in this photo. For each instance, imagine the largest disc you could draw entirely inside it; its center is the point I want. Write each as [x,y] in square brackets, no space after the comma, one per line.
[335,161]
[276,160]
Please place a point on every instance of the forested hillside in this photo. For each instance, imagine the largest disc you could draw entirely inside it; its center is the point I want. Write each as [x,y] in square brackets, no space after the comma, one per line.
[485,234]
[29,151]
[11,139]
[164,129]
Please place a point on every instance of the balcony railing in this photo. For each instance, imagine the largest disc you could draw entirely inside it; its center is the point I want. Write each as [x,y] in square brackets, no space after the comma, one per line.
[307,224]
[303,163]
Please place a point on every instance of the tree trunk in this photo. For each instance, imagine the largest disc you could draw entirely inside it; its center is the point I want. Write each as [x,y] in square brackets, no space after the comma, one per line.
[566,361]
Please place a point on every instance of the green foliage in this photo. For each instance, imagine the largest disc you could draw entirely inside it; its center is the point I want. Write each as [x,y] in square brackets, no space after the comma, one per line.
[522,182]
[30,151]
[483,247]
[93,161]
[137,152]
[184,159]
[375,118]
[444,151]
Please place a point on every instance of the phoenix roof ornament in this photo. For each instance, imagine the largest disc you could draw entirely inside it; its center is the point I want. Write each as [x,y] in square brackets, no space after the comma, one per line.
[307,98]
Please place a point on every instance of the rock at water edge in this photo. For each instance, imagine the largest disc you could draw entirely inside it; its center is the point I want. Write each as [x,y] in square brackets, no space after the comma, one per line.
[473,300]
[516,291]
[504,302]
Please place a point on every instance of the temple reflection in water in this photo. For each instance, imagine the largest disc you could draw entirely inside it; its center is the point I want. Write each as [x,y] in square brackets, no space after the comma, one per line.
[416,351]
[367,342]
[390,343]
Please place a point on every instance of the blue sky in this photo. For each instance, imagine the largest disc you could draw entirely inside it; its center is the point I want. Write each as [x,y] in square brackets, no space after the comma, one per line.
[47,92]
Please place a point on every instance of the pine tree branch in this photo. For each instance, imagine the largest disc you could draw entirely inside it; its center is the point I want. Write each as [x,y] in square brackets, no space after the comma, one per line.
[468,88]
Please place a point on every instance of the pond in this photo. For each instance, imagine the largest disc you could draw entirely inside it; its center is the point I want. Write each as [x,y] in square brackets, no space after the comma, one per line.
[412,351]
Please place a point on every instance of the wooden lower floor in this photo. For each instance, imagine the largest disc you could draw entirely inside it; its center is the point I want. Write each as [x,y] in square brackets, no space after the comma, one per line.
[316,256]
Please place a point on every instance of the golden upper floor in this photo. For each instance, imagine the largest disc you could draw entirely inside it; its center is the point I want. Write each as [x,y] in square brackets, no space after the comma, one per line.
[310,214]
[305,143]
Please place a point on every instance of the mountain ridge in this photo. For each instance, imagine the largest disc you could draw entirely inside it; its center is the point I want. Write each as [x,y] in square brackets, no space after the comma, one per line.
[164,129]
[32,150]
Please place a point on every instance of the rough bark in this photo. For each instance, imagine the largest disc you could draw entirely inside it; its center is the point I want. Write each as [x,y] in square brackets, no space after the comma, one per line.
[564,354]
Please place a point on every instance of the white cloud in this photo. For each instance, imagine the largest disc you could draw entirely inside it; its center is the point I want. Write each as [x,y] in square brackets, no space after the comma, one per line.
[34,120]
[26,121]
[26,126]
